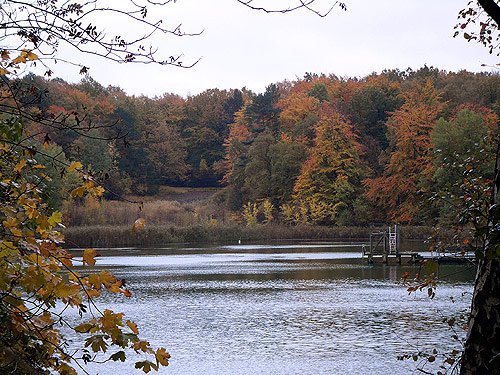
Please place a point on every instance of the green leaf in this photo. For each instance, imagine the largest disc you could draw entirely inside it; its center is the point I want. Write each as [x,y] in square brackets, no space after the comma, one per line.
[97,343]
[144,365]
[119,356]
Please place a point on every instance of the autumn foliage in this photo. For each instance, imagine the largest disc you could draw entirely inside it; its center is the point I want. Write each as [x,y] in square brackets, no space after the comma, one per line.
[39,280]
[321,149]
[408,173]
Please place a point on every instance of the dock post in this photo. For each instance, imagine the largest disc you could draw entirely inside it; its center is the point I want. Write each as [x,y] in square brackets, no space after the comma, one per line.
[370,254]
[385,257]
[398,242]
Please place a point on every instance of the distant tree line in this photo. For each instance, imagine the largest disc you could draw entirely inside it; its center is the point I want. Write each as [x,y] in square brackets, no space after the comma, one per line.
[405,146]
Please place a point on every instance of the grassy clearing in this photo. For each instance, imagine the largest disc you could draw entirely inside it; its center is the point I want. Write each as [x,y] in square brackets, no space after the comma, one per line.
[197,219]
[158,212]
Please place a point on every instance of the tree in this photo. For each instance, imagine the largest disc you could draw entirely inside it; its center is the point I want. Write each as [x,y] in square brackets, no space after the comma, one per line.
[487,12]
[36,273]
[464,150]
[409,168]
[257,183]
[205,128]
[166,152]
[286,161]
[330,176]
[483,338]
[368,110]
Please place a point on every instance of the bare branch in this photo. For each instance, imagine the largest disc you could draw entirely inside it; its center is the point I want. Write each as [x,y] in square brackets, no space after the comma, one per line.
[308,5]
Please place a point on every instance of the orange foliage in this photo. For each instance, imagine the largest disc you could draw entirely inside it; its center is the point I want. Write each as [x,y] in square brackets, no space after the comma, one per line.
[410,164]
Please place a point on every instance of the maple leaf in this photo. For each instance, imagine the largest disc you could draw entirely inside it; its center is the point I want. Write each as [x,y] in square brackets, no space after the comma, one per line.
[78,192]
[133,327]
[30,55]
[55,218]
[162,356]
[88,256]
[141,345]
[20,166]
[75,165]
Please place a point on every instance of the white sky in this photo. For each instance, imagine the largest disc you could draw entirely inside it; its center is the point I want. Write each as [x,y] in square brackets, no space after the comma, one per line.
[242,47]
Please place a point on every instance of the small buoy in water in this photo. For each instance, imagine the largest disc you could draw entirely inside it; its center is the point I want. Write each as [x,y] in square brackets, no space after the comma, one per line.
[239,242]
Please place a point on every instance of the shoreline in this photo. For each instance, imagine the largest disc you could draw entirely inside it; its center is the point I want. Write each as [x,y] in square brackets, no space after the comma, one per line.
[159,235]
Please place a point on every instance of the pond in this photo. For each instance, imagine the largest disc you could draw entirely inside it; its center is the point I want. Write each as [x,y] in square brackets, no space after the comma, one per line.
[285,308]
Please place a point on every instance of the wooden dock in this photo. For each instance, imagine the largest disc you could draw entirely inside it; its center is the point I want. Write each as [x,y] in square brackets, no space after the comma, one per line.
[384,248]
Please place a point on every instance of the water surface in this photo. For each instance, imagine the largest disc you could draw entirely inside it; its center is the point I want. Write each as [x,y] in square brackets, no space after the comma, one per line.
[287,308]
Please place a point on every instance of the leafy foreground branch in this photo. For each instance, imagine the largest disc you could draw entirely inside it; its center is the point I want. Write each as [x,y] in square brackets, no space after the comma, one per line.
[38,282]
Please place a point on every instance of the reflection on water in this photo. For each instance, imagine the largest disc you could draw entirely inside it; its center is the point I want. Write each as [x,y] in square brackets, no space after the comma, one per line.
[290,309]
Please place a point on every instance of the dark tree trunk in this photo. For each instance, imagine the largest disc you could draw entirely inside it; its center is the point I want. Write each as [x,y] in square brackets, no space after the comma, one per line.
[482,347]
[492,8]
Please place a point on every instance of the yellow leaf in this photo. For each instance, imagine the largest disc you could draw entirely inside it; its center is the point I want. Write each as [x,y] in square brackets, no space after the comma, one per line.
[22,308]
[106,278]
[115,287]
[141,345]
[138,225]
[66,260]
[4,71]
[88,184]
[83,328]
[75,166]
[55,218]
[133,327]
[21,58]
[97,191]
[92,293]
[88,256]
[66,369]
[19,166]
[95,281]
[10,222]
[16,232]
[162,356]
[30,55]
[78,192]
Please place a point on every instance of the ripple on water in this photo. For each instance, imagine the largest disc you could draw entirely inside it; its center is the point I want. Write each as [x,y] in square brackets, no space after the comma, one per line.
[283,316]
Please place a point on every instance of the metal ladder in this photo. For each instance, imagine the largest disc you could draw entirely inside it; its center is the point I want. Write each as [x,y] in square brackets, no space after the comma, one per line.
[393,241]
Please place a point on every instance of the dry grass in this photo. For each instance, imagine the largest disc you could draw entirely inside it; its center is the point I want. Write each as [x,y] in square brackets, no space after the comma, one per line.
[158,212]
[160,235]
[109,223]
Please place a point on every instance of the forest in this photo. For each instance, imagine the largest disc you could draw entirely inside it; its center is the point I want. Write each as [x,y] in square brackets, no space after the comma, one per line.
[404,146]
[401,146]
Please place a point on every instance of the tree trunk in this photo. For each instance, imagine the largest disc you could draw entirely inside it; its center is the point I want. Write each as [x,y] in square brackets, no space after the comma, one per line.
[492,8]
[482,347]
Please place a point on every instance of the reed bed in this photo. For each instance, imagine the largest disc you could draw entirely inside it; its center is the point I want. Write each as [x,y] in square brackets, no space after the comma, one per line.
[117,213]
[160,235]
